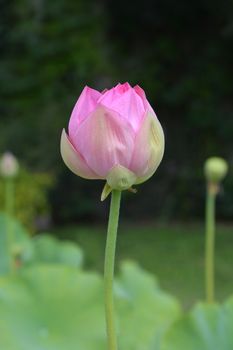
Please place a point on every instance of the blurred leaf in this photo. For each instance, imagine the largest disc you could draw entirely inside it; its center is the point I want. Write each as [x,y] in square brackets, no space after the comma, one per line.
[48,249]
[41,249]
[58,307]
[31,202]
[20,245]
[145,310]
[51,308]
[207,327]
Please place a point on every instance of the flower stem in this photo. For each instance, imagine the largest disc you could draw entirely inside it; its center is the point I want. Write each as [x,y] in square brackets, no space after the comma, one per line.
[109,269]
[210,241]
[9,209]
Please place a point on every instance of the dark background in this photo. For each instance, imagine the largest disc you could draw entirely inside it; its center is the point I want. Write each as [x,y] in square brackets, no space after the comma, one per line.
[179,52]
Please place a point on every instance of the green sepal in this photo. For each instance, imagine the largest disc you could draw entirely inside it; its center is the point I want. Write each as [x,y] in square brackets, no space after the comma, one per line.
[120,178]
[106,191]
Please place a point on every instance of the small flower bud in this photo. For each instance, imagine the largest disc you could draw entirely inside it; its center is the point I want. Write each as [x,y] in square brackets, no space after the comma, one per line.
[9,165]
[215,169]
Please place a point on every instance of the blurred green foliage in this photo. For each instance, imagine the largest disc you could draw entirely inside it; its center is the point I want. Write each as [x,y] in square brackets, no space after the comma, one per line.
[180,53]
[47,249]
[58,307]
[50,302]
[48,52]
[41,249]
[19,246]
[174,253]
[31,197]
[205,327]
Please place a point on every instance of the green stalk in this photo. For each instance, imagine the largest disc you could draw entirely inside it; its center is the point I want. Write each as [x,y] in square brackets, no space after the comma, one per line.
[210,243]
[109,269]
[9,208]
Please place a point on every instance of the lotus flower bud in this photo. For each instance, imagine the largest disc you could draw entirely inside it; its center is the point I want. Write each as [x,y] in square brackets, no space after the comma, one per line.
[215,169]
[114,135]
[9,165]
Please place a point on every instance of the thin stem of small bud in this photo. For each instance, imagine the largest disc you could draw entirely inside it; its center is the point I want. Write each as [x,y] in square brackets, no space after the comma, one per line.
[210,243]
[9,209]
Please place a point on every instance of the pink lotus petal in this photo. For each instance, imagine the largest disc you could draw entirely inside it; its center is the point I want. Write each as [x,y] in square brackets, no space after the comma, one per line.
[139,91]
[103,91]
[84,106]
[129,105]
[122,88]
[104,139]
[149,148]
[142,94]
[113,135]
[108,97]
[73,159]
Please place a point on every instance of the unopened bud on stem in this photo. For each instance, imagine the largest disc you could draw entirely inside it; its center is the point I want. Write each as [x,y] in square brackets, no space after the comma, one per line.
[215,169]
[9,165]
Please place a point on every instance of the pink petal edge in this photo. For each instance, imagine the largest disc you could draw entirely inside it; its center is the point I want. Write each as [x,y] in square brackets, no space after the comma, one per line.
[149,148]
[128,104]
[74,160]
[85,104]
[104,139]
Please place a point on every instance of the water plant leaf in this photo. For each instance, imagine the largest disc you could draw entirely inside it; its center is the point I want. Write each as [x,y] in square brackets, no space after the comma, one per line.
[20,243]
[48,249]
[57,307]
[145,310]
[207,327]
[43,248]
[51,307]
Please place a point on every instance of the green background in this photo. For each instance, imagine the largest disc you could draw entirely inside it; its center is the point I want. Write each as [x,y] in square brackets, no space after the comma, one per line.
[179,52]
